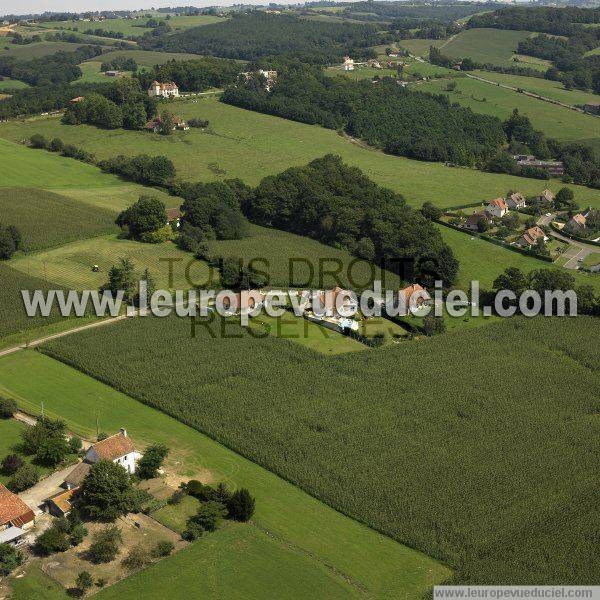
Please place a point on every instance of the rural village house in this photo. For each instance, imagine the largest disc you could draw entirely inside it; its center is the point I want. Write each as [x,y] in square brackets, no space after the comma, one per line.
[238,304]
[323,308]
[472,221]
[163,90]
[117,448]
[270,77]
[546,196]
[497,207]
[531,236]
[576,224]
[15,517]
[173,216]
[409,300]
[156,124]
[348,64]
[516,201]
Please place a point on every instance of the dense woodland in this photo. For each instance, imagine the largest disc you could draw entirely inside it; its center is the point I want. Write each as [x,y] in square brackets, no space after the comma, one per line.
[254,35]
[385,115]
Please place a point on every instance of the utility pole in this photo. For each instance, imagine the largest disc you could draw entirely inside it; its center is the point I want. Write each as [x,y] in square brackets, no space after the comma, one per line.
[42,409]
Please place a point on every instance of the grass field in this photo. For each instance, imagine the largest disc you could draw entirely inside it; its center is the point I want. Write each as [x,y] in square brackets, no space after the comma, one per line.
[555,121]
[147,58]
[46,219]
[36,584]
[35,50]
[8,85]
[70,265]
[476,478]
[175,516]
[544,87]
[10,438]
[483,261]
[91,73]
[251,145]
[358,554]
[494,46]
[241,561]
[419,47]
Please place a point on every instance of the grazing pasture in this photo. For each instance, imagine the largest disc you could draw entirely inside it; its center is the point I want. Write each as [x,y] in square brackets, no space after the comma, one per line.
[241,559]
[477,479]
[70,265]
[249,145]
[493,46]
[357,554]
[419,47]
[148,58]
[8,85]
[555,121]
[36,49]
[46,219]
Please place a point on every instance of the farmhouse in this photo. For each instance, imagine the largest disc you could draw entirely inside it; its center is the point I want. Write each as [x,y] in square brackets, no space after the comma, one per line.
[15,517]
[408,300]
[173,216]
[552,167]
[576,224]
[332,308]
[531,237]
[348,64]
[163,90]
[60,505]
[242,303]
[516,201]
[156,124]
[472,222]
[497,207]
[117,448]
[546,196]
[270,77]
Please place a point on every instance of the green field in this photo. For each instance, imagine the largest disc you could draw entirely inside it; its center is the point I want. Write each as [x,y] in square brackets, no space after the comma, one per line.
[8,85]
[494,46]
[36,584]
[91,73]
[555,121]
[46,219]
[356,553]
[10,438]
[175,516]
[483,261]
[419,47]
[35,50]
[544,87]
[240,559]
[70,265]
[476,478]
[251,145]
[147,58]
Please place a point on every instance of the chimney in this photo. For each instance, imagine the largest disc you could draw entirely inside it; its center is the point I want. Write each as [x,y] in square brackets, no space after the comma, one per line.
[123,432]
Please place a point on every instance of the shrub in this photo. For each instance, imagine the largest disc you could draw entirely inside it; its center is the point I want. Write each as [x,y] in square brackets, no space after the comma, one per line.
[152,461]
[56,145]
[83,582]
[137,558]
[193,531]
[209,515]
[52,450]
[23,478]
[241,505]
[164,234]
[8,407]
[105,546]
[10,559]
[163,548]
[11,464]
[51,541]
[177,497]
[75,444]
[199,490]
[38,141]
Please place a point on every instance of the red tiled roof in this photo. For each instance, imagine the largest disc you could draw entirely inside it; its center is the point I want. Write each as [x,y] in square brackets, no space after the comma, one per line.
[499,202]
[114,446]
[13,509]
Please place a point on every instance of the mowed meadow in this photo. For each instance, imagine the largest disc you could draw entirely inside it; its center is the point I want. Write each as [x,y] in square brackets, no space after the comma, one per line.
[249,145]
[370,434]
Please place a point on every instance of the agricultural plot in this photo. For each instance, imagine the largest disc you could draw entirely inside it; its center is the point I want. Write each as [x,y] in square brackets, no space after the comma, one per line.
[493,46]
[249,145]
[46,219]
[488,490]
[240,559]
[70,266]
[357,554]
[544,87]
[555,121]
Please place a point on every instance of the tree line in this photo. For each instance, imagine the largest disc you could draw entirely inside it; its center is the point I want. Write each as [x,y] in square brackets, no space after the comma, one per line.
[415,124]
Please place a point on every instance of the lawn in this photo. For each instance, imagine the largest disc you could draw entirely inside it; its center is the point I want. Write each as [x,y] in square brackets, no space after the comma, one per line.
[469,474]
[251,145]
[494,46]
[45,219]
[10,438]
[555,121]
[36,584]
[70,265]
[175,516]
[383,567]
[544,87]
[238,562]
[483,261]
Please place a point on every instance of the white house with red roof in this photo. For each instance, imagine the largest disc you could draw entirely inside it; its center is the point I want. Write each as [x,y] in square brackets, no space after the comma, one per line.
[167,89]
[497,207]
[15,517]
[117,448]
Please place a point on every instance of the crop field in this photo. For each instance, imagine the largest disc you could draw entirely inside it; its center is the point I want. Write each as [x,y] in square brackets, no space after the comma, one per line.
[287,256]
[240,559]
[70,266]
[555,121]
[251,145]
[494,46]
[46,219]
[483,261]
[477,479]
[371,561]
[544,87]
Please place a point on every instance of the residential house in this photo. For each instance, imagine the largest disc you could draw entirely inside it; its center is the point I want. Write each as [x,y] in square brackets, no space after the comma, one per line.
[15,517]
[332,308]
[270,77]
[516,201]
[173,216]
[156,124]
[112,73]
[472,221]
[546,196]
[531,236]
[408,300]
[163,90]
[241,303]
[348,64]
[576,224]
[117,448]
[554,168]
[497,207]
